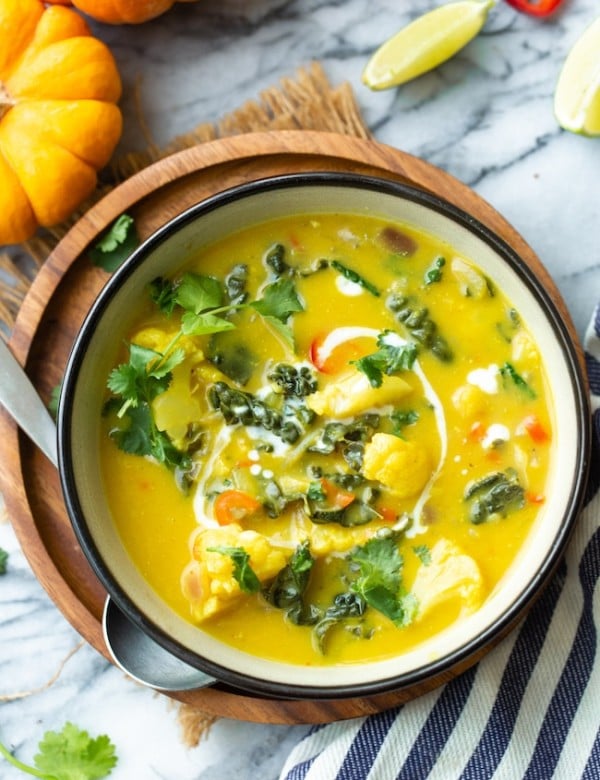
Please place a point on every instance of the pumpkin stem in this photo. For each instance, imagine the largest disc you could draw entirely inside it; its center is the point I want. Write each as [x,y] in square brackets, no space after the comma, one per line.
[6,100]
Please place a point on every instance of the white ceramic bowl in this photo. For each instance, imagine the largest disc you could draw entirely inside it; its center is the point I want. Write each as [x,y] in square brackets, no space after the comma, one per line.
[94,354]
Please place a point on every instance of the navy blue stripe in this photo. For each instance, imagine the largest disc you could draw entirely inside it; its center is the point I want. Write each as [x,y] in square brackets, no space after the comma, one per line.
[366,745]
[521,664]
[592,768]
[593,372]
[300,771]
[575,675]
[438,727]
[594,478]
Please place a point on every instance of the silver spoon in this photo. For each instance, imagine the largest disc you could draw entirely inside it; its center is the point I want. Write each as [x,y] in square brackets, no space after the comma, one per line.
[132,650]
[145,660]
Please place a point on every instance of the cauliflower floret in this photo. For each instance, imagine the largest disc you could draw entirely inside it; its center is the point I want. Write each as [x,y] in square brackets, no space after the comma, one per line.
[329,538]
[524,353]
[353,394]
[469,401]
[159,340]
[208,582]
[451,575]
[402,466]
[472,283]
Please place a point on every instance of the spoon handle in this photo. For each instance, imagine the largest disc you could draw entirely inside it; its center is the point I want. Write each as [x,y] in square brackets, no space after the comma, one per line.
[21,400]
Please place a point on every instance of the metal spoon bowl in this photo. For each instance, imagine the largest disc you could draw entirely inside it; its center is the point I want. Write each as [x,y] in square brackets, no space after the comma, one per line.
[145,660]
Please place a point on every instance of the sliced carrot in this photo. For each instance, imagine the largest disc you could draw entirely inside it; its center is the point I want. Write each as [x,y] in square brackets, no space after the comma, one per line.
[335,495]
[388,514]
[493,456]
[476,431]
[338,359]
[535,498]
[232,506]
[535,429]
[244,464]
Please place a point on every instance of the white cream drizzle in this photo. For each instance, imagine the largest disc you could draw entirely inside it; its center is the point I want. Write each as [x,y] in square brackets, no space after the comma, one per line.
[203,517]
[348,288]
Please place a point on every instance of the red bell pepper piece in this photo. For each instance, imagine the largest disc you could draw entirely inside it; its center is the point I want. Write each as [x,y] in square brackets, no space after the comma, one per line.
[535,7]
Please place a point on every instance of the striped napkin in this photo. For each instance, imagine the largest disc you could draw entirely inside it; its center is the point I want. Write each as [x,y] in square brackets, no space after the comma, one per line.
[530,709]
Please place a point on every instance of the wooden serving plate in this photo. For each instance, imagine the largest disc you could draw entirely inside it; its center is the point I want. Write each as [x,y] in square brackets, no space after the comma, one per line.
[58,301]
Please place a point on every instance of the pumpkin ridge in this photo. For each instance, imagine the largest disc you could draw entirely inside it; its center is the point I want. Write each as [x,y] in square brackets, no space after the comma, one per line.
[46,134]
[20,206]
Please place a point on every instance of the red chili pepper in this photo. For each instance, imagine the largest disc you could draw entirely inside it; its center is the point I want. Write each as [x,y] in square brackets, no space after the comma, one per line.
[535,7]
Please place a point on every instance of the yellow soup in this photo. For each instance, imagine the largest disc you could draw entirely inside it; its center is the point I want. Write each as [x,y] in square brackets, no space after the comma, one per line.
[327,438]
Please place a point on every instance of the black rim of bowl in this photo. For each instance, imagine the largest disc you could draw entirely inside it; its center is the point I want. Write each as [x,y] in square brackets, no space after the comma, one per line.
[471,650]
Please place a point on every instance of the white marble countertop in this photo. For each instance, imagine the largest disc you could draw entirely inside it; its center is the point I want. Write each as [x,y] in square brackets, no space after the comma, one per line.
[486,117]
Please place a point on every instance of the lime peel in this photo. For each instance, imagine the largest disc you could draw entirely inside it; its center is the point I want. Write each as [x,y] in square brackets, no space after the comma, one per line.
[425,43]
[577,93]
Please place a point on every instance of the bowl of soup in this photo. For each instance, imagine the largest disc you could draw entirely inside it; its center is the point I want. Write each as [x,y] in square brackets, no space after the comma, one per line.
[323,435]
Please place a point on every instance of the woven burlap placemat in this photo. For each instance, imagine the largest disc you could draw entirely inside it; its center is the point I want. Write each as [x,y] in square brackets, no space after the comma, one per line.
[306,101]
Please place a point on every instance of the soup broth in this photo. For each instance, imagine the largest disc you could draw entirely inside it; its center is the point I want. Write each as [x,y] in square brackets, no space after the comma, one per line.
[327,438]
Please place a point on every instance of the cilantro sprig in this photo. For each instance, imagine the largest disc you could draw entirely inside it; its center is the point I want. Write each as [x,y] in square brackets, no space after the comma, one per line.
[116,244]
[204,312]
[392,356]
[135,385]
[380,579]
[146,375]
[70,754]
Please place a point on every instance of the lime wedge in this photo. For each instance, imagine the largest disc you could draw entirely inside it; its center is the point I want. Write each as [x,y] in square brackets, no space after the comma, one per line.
[577,94]
[425,43]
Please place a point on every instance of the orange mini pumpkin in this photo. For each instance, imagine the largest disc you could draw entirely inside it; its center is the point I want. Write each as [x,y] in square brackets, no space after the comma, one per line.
[59,123]
[122,11]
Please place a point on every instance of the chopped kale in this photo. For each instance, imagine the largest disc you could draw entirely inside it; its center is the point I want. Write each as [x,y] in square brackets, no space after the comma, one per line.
[495,495]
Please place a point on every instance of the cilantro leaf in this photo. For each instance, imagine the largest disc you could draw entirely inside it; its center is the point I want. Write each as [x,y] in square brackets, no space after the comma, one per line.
[73,755]
[137,438]
[242,571]
[3,560]
[197,293]
[163,293]
[142,437]
[146,375]
[116,244]
[136,384]
[390,358]
[280,299]
[202,324]
[70,754]
[379,582]
[282,329]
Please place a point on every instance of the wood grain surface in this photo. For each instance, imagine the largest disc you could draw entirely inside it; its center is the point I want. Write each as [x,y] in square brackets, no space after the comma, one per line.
[58,301]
